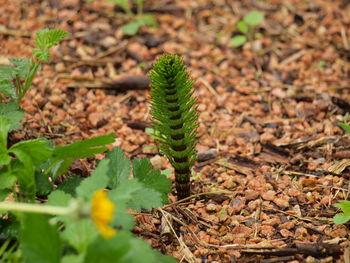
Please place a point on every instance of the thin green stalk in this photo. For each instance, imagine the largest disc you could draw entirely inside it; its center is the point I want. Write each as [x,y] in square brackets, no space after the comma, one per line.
[38,208]
[29,80]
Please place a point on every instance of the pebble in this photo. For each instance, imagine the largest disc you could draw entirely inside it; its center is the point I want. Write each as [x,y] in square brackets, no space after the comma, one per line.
[211,207]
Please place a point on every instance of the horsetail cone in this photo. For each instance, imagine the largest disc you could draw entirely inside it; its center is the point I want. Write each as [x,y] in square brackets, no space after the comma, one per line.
[174,117]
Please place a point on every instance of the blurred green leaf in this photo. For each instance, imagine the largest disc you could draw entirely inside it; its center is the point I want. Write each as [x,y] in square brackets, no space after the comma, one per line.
[7,179]
[70,184]
[63,156]
[119,167]
[5,125]
[39,150]
[151,178]
[341,218]
[22,66]
[135,195]
[242,26]
[80,234]
[121,249]
[344,126]
[4,193]
[7,72]
[39,248]
[131,28]
[12,112]
[58,198]
[97,180]
[147,20]
[42,184]
[238,40]
[7,88]
[253,18]
[344,205]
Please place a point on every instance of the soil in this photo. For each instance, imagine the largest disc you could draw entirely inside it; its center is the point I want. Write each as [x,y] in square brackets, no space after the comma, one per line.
[272,158]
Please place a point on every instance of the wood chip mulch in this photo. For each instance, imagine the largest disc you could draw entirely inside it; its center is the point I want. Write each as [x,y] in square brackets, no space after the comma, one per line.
[272,159]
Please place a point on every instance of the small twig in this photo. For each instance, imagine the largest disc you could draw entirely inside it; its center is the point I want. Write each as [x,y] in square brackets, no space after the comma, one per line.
[197,195]
[187,253]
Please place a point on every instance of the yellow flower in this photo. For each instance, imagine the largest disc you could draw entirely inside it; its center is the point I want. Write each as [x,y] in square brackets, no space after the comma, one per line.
[102,210]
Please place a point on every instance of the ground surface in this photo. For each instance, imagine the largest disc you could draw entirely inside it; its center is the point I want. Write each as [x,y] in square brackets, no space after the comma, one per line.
[270,109]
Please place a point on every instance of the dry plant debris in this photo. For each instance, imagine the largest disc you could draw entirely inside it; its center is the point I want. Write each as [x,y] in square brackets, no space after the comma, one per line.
[268,116]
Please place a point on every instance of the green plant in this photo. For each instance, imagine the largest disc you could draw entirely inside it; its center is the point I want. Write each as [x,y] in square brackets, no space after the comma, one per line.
[80,222]
[247,27]
[138,20]
[174,117]
[16,79]
[344,217]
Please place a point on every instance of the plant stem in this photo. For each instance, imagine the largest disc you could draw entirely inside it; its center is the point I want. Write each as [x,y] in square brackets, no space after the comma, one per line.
[38,208]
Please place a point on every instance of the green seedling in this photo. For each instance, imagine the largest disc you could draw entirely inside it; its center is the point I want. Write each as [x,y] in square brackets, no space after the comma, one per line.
[344,217]
[16,79]
[138,20]
[321,65]
[247,27]
[174,117]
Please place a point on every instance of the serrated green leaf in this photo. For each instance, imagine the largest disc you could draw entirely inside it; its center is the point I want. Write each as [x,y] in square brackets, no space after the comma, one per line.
[151,178]
[7,88]
[7,72]
[135,195]
[80,234]
[63,156]
[70,184]
[12,111]
[253,18]
[98,180]
[242,26]
[42,55]
[22,66]
[39,248]
[119,167]
[47,38]
[58,198]
[341,218]
[131,28]
[122,219]
[238,40]
[344,126]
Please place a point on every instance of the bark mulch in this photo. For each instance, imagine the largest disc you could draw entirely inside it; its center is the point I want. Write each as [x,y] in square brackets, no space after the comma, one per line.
[272,159]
